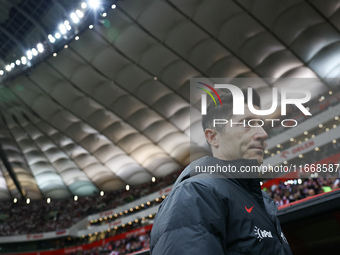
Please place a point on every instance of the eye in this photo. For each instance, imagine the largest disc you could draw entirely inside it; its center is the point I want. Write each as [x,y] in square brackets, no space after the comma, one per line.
[246,125]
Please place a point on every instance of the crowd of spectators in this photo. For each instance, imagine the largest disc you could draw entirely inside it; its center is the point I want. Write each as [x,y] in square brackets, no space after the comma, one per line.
[38,216]
[125,246]
[287,192]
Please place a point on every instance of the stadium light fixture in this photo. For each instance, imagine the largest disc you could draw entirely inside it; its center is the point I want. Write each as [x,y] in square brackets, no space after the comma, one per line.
[80,13]
[29,54]
[40,47]
[62,29]
[51,38]
[94,4]
[74,17]
[34,52]
[67,25]
[24,60]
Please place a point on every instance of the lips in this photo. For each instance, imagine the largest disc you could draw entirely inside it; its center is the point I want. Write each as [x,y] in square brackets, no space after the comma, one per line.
[257,148]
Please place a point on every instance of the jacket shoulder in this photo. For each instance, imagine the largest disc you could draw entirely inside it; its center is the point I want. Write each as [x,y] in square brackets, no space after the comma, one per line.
[192,210]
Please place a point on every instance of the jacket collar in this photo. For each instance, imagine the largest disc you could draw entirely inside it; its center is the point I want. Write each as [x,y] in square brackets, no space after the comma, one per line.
[249,181]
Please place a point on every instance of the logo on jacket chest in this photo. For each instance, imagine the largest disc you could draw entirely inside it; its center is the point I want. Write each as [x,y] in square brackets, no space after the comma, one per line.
[261,234]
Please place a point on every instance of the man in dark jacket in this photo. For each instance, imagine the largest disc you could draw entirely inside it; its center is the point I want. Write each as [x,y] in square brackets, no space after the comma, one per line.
[225,211]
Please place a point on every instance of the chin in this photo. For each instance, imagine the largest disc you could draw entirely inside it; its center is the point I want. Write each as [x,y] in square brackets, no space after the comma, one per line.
[259,160]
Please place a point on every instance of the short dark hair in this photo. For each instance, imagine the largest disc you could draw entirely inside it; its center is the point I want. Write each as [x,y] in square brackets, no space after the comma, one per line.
[225,111]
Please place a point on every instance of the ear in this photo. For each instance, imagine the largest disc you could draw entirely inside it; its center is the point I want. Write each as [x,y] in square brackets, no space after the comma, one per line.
[211,136]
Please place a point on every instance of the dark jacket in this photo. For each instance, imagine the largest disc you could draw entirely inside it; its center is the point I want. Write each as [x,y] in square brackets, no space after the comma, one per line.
[211,214]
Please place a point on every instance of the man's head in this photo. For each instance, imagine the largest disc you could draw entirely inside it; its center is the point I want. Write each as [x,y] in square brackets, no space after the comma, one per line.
[229,142]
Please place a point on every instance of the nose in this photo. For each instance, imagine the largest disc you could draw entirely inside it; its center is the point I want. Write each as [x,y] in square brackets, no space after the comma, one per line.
[260,134]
